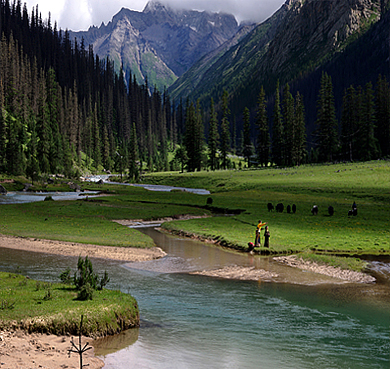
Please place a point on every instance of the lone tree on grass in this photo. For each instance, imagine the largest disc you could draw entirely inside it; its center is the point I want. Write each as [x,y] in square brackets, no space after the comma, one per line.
[84,279]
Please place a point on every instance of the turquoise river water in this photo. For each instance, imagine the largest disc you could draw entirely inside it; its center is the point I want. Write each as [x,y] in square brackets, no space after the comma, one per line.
[190,321]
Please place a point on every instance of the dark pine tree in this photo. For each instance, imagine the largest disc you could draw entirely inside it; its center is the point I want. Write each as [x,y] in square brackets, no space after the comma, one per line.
[278,143]
[299,152]
[133,155]
[247,153]
[263,136]
[225,130]
[213,137]
[289,126]
[326,132]
[383,115]
[367,142]
[349,119]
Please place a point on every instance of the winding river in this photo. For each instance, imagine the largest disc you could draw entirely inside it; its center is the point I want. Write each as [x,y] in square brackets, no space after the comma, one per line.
[190,321]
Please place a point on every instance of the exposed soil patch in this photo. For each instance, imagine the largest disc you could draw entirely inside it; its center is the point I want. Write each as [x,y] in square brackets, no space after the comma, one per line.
[347,275]
[19,350]
[77,249]
[239,273]
[156,222]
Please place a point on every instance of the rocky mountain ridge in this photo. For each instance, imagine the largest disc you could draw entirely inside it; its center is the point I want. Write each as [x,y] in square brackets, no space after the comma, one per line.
[305,34]
[160,42]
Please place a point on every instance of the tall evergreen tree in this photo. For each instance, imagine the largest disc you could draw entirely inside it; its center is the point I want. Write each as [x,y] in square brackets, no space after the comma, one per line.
[190,133]
[2,130]
[96,141]
[383,115]
[199,138]
[278,143]
[213,137]
[133,155]
[52,102]
[43,128]
[349,119]
[299,151]
[368,148]
[225,130]
[194,137]
[289,126]
[14,156]
[263,136]
[32,169]
[326,133]
[247,137]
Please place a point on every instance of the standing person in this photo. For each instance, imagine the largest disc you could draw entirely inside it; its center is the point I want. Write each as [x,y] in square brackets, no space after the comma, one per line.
[258,233]
[266,236]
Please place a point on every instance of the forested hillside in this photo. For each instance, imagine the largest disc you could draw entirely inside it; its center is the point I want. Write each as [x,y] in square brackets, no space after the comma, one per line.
[63,107]
[63,110]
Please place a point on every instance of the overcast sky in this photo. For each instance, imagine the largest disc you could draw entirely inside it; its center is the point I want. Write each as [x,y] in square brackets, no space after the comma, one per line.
[81,14]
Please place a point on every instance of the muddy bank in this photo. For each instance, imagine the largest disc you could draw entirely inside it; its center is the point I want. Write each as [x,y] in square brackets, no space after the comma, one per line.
[346,275]
[137,223]
[77,249]
[239,273]
[19,350]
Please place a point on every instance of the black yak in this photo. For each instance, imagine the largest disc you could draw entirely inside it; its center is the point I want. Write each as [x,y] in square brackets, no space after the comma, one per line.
[270,206]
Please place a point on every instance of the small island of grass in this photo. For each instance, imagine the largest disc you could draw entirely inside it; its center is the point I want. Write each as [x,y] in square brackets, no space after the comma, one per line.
[36,306]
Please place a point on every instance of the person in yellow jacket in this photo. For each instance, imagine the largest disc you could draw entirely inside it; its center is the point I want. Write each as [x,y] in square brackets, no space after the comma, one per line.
[258,232]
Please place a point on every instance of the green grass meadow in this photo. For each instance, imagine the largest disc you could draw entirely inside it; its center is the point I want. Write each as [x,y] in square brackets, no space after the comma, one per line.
[90,221]
[53,308]
[233,191]
[368,184]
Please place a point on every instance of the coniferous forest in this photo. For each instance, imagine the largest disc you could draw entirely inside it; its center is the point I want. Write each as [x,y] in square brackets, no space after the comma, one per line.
[63,110]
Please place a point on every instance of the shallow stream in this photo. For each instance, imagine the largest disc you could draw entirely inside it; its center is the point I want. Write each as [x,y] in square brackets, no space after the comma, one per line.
[198,322]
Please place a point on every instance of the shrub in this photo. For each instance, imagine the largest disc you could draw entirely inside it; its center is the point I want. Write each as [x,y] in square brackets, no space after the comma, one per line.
[85,292]
[84,279]
[65,276]
[85,274]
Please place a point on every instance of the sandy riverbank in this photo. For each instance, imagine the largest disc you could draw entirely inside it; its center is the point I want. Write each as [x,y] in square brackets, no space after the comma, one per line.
[24,351]
[238,273]
[346,275]
[19,350]
[76,249]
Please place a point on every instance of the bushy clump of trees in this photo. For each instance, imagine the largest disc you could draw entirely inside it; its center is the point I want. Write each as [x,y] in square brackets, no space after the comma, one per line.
[84,279]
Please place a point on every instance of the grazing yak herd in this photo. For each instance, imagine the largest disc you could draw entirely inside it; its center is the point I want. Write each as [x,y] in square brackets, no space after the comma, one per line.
[280,208]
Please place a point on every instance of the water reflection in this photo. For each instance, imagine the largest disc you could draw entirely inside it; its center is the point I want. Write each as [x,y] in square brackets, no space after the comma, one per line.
[198,322]
[26,197]
[108,345]
[106,179]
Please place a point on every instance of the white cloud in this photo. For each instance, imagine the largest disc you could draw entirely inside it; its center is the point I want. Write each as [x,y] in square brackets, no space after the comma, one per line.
[81,14]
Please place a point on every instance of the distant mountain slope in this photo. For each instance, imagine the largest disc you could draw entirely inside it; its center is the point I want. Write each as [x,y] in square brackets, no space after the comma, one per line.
[159,42]
[231,64]
[297,39]
[362,61]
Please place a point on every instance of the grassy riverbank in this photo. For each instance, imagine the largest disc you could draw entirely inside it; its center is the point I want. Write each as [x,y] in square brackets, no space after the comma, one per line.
[324,185]
[243,196]
[90,221]
[52,308]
